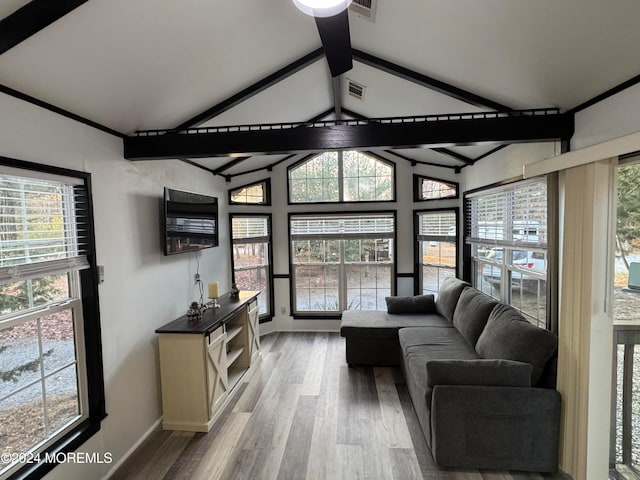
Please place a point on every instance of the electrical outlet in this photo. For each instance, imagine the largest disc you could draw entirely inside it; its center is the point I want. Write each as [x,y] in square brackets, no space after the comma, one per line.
[283,310]
[196,277]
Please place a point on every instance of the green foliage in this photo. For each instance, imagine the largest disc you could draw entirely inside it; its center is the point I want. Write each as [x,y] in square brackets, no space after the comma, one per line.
[15,296]
[628,227]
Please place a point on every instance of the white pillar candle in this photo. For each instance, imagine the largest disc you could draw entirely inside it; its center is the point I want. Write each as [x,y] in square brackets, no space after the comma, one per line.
[214,290]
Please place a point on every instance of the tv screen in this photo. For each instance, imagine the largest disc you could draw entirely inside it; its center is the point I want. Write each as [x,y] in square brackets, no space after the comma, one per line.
[191,221]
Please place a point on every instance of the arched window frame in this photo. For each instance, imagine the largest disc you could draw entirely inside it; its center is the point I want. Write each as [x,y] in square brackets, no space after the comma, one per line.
[341,179]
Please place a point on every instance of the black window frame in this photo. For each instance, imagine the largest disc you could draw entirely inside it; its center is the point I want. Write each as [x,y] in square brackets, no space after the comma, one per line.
[417,196]
[416,244]
[89,280]
[267,193]
[263,318]
[339,202]
[337,315]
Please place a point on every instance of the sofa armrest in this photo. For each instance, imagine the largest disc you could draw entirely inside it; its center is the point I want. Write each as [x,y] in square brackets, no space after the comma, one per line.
[504,428]
[487,372]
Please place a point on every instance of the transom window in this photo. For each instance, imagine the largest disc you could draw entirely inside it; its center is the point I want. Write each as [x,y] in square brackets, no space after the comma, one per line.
[507,231]
[258,193]
[341,262]
[348,176]
[425,188]
[437,248]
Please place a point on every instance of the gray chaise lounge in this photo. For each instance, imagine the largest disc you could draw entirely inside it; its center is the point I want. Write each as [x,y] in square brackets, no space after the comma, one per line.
[481,378]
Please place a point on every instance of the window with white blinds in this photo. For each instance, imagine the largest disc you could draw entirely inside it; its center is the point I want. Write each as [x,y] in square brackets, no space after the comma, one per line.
[342,226]
[506,228]
[436,247]
[42,227]
[246,229]
[50,367]
[251,257]
[514,215]
[341,262]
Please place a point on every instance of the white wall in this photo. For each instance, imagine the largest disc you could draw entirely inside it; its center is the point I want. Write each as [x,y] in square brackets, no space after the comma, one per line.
[143,289]
[505,164]
[611,118]
[280,209]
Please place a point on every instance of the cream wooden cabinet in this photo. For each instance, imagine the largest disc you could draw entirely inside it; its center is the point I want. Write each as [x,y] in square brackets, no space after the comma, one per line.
[201,362]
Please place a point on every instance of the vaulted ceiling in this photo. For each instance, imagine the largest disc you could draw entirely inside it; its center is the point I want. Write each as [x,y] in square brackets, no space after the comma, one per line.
[159,64]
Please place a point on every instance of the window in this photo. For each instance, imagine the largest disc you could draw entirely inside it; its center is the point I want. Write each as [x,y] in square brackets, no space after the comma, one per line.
[251,245]
[341,262]
[425,188]
[341,177]
[48,316]
[258,193]
[437,252]
[506,229]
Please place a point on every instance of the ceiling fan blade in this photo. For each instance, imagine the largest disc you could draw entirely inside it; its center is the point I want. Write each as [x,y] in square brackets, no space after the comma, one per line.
[334,34]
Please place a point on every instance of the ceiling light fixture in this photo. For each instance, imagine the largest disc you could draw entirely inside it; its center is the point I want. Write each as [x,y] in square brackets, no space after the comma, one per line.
[322,8]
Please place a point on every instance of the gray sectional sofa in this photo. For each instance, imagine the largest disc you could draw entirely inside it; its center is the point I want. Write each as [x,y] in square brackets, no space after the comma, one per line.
[481,378]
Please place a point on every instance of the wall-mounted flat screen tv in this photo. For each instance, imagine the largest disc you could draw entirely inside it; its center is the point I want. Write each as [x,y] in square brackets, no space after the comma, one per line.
[191,221]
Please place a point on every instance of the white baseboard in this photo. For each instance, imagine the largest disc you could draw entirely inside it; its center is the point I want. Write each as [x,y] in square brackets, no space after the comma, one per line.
[134,447]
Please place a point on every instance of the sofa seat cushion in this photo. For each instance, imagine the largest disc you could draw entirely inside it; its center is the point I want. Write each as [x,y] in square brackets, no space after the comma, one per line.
[471,313]
[420,345]
[379,324]
[448,295]
[510,337]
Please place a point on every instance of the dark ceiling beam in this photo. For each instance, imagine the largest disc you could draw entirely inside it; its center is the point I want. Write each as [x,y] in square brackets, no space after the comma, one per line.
[604,95]
[336,86]
[60,111]
[490,152]
[458,156]
[194,164]
[31,18]
[223,168]
[268,168]
[413,161]
[336,41]
[432,133]
[254,89]
[426,81]
[444,151]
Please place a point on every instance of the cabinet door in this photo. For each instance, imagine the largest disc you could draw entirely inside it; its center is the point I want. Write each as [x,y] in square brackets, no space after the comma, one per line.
[217,380]
[254,325]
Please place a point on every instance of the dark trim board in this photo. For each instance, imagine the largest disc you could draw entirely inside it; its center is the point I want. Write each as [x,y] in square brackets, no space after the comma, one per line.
[254,89]
[373,134]
[606,94]
[31,18]
[60,111]
[426,81]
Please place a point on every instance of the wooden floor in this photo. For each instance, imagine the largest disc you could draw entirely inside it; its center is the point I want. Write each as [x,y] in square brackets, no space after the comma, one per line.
[302,413]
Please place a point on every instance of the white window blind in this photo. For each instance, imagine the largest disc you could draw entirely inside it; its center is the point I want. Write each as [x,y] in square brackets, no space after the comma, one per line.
[43,226]
[436,224]
[245,229]
[514,215]
[342,227]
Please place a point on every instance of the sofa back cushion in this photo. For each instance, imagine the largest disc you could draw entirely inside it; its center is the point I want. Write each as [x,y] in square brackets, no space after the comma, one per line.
[448,296]
[415,304]
[510,337]
[485,372]
[471,314]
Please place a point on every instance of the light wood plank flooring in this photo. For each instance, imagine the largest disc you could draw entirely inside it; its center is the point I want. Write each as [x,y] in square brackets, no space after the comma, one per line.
[301,413]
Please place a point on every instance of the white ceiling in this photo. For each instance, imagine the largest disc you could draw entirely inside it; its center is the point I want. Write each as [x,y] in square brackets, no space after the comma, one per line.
[145,64]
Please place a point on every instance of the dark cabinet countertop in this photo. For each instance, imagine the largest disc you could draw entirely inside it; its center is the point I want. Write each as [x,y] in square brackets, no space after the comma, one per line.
[212,318]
